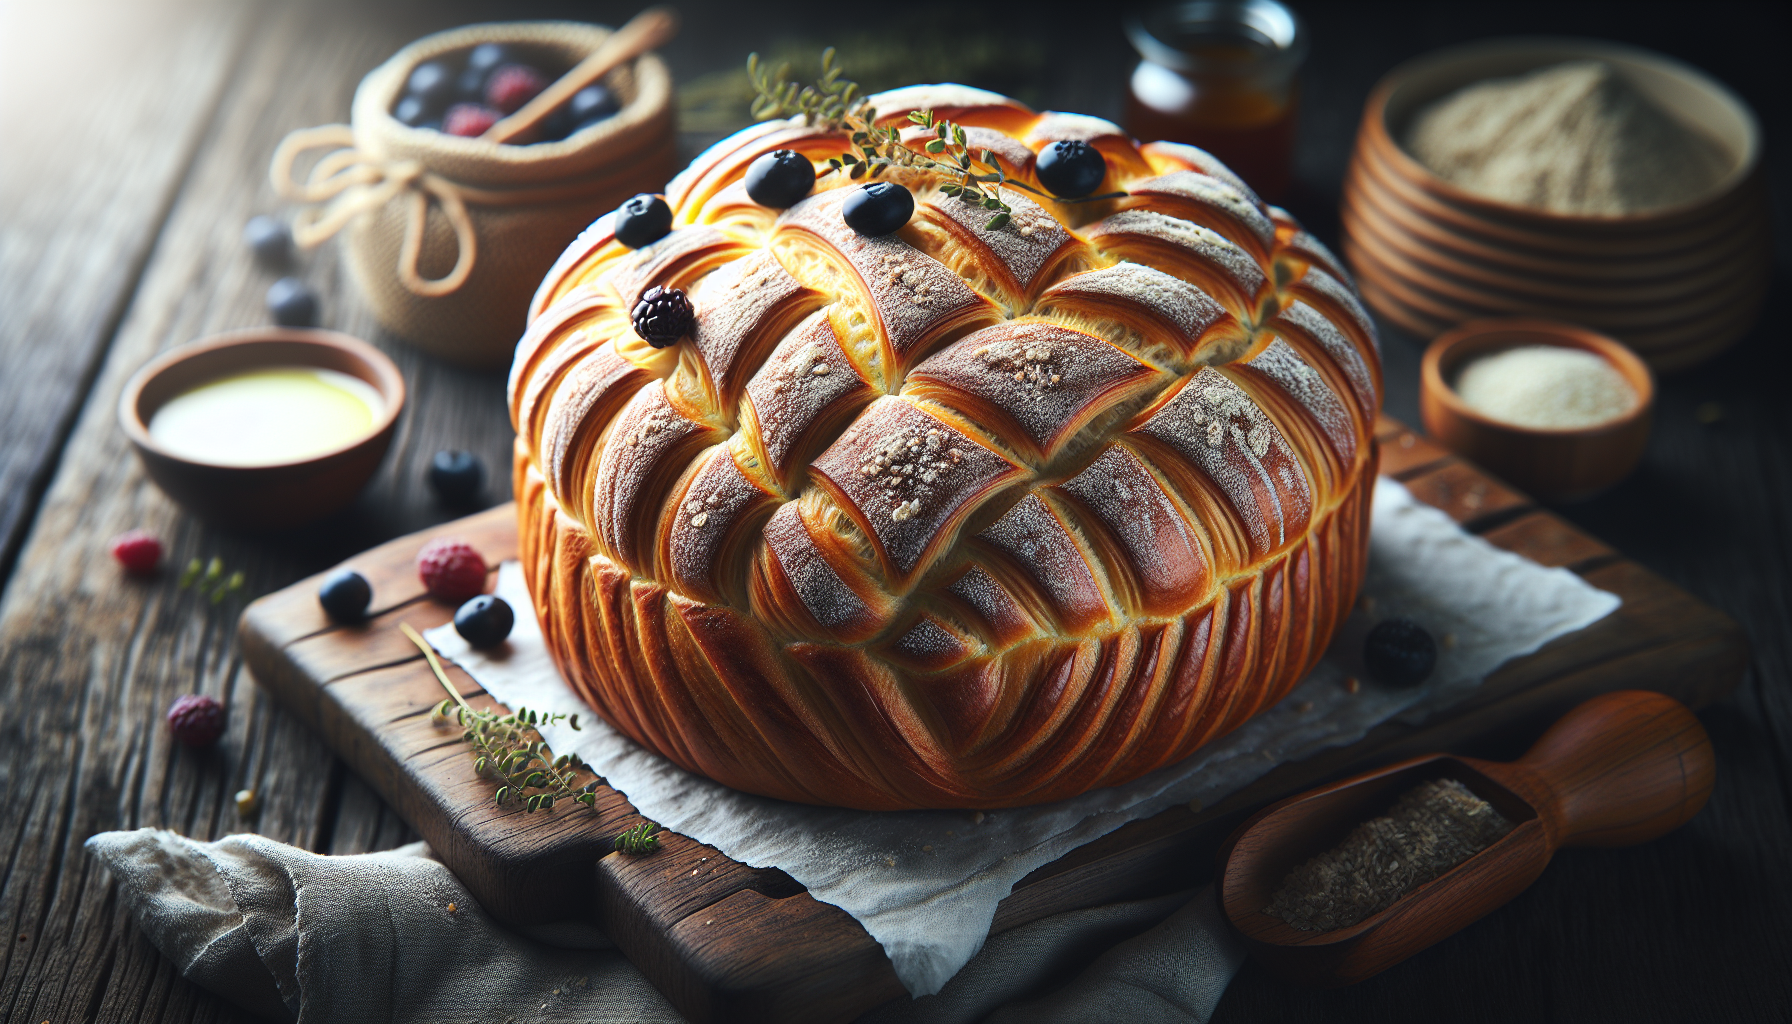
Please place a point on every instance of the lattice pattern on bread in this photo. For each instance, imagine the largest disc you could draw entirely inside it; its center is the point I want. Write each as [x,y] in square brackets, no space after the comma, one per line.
[953,517]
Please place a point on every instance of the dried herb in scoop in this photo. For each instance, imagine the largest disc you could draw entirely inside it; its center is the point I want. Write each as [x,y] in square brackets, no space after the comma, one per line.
[1433,827]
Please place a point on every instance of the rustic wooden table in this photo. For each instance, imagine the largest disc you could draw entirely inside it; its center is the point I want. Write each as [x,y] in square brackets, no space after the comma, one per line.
[136,139]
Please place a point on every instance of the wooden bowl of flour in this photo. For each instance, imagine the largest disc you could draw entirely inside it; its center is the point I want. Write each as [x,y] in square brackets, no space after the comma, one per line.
[1562,463]
[1677,283]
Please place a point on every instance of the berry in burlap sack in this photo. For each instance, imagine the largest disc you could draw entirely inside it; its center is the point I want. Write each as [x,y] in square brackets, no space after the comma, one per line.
[447,237]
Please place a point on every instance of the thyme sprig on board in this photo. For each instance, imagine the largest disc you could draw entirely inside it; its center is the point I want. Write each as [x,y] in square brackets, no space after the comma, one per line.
[527,771]
[837,104]
[643,838]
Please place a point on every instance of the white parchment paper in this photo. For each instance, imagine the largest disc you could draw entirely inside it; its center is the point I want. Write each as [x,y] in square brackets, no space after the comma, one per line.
[925,884]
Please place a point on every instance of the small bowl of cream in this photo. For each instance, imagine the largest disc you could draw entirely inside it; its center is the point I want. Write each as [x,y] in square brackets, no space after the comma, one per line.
[1560,411]
[264,429]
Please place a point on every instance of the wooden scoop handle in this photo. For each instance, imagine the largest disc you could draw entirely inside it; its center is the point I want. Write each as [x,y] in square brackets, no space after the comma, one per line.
[1621,768]
[648,30]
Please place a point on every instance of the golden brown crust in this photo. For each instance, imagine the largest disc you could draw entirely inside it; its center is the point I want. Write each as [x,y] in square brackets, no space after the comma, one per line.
[957,517]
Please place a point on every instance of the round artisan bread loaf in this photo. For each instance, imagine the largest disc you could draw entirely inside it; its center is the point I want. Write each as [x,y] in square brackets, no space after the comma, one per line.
[957,516]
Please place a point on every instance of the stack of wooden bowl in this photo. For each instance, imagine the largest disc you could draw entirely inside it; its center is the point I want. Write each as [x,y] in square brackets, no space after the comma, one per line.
[1677,284]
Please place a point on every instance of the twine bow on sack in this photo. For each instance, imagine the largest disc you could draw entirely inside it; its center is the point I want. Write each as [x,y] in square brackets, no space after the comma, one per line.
[351,184]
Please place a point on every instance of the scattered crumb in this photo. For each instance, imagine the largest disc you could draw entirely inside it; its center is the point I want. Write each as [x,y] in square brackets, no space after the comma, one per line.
[1303,707]
[976,817]
[889,862]
[1352,684]
[710,921]
[452,908]
[927,849]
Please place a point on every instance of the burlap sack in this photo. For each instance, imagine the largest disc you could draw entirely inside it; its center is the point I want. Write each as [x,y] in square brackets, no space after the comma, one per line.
[448,237]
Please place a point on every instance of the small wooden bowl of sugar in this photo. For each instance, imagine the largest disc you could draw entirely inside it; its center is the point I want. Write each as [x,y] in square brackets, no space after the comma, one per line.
[1560,411]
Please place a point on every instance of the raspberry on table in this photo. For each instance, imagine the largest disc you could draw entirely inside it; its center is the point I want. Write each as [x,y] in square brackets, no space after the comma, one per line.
[196,720]
[469,120]
[139,551]
[450,569]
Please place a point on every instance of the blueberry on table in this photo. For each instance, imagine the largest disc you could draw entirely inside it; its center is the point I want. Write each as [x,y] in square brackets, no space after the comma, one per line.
[484,621]
[1070,170]
[643,220]
[1398,652]
[663,316]
[456,476]
[780,179]
[432,83]
[269,239]
[411,111]
[592,103]
[292,303]
[345,596]
[878,208]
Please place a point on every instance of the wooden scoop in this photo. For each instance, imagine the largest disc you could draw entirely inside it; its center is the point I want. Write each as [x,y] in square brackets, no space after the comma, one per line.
[1619,769]
[648,30]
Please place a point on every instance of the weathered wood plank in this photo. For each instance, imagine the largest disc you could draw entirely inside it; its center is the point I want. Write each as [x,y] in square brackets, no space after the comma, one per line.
[89,660]
[105,103]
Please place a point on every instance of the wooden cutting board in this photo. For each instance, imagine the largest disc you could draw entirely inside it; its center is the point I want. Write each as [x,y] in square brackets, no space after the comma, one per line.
[726,942]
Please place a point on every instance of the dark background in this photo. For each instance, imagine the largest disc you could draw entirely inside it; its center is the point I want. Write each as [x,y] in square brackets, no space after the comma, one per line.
[1692,927]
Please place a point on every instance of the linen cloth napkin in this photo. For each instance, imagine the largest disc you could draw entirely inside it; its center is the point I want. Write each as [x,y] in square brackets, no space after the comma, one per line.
[302,937]
[925,884]
[394,937]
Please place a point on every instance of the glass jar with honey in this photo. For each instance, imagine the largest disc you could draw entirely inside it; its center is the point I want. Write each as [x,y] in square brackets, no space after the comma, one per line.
[1220,74]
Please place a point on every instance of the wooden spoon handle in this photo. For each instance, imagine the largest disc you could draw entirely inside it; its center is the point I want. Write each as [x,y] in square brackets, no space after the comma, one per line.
[1623,768]
[648,30]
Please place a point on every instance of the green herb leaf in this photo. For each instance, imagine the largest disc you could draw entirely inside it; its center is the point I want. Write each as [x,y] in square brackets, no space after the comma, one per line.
[643,838]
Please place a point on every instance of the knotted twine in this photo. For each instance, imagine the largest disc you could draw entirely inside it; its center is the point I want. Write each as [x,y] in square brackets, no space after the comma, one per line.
[351,183]
[446,237]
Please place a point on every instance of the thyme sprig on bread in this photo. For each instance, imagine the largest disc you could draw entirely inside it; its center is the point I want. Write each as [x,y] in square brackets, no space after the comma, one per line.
[836,103]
